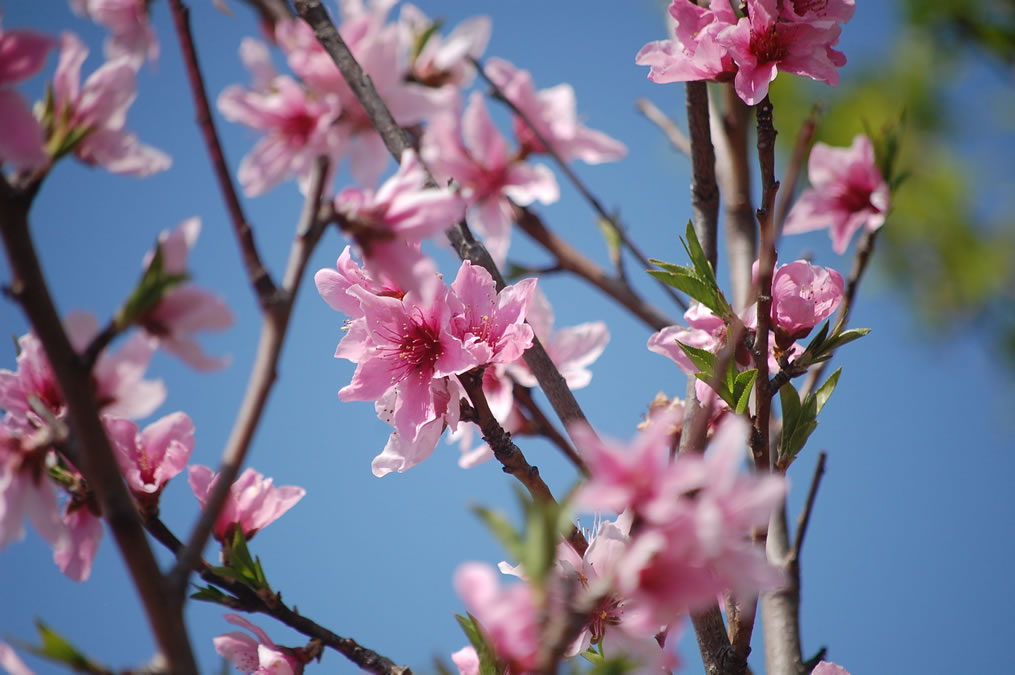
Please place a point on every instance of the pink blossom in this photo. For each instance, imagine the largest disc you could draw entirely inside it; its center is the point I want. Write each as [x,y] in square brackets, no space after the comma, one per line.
[803,295]
[488,177]
[100,109]
[186,309]
[694,545]
[119,381]
[299,125]
[775,37]
[491,324]
[571,349]
[389,225]
[466,660]
[379,50]
[694,53]
[26,492]
[130,32]
[75,555]
[260,656]
[847,193]
[444,60]
[149,458]
[829,668]
[553,111]
[333,285]
[12,663]
[22,54]
[508,615]
[253,503]
[402,452]
[705,331]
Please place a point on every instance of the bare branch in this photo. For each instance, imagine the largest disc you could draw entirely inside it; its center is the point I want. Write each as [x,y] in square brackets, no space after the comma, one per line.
[274,325]
[258,274]
[676,137]
[789,179]
[805,516]
[98,464]
[544,427]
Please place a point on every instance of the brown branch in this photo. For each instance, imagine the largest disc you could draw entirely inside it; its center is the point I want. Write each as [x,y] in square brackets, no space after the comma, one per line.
[466,246]
[572,260]
[673,133]
[247,600]
[780,610]
[274,325]
[717,654]
[98,464]
[258,274]
[730,133]
[585,192]
[508,454]
[544,427]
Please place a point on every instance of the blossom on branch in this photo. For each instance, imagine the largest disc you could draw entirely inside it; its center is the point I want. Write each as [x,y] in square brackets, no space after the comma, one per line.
[130,32]
[149,458]
[848,193]
[554,113]
[88,119]
[803,295]
[260,656]
[438,60]
[488,177]
[22,54]
[253,502]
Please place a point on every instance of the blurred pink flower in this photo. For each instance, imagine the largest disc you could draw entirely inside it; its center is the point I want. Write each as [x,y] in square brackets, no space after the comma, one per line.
[100,108]
[508,615]
[186,309]
[74,555]
[443,60]
[26,492]
[22,54]
[260,656]
[693,53]
[11,662]
[487,176]
[390,224]
[465,659]
[829,668]
[130,32]
[149,458]
[253,503]
[299,125]
[554,113]
[803,295]
[847,193]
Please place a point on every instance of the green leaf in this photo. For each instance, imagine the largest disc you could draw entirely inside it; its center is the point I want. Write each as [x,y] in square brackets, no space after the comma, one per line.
[814,346]
[502,529]
[212,594]
[487,657]
[825,390]
[694,251]
[742,390]
[57,649]
[845,337]
[701,358]
[687,284]
[422,38]
[612,238]
[153,286]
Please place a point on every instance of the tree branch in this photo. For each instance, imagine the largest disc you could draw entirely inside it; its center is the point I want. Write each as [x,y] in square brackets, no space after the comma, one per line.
[509,454]
[544,427]
[465,245]
[572,260]
[98,464]
[677,139]
[274,325]
[801,149]
[260,279]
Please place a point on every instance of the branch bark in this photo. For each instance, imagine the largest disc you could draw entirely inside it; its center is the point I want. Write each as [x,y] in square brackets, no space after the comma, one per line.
[98,464]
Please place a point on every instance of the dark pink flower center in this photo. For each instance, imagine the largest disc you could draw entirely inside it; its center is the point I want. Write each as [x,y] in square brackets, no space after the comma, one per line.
[855,198]
[801,7]
[415,348]
[768,47]
[299,126]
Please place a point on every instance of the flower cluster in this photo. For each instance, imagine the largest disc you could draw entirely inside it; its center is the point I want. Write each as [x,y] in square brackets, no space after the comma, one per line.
[715,43]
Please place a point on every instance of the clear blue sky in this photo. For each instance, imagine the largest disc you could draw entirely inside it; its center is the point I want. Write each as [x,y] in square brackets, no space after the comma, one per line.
[907,563]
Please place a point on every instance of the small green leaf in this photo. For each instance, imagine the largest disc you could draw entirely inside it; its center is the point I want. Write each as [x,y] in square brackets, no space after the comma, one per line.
[212,594]
[153,286]
[742,390]
[57,649]
[612,238]
[701,264]
[814,346]
[845,337]
[422,38]
[687,284]
[701,358]
[825,390]
[487,656]
[502,529]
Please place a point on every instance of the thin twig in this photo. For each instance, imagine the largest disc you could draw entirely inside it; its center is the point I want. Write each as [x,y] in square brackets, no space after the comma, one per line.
[508,454]
[247,600]
[258,274]
[466,246]
[676,137]
[574,261]
[274,325]
[544,427]
[805,516]
[98,464]
[583,189]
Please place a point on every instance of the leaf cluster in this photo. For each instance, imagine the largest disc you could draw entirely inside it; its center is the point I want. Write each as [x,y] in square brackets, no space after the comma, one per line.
[800,418]
[697,281]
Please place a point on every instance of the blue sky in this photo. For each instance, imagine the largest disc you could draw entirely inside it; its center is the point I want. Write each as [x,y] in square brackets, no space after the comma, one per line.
[910,542]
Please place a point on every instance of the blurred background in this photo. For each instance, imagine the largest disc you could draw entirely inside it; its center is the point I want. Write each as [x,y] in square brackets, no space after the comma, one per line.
[907,565]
